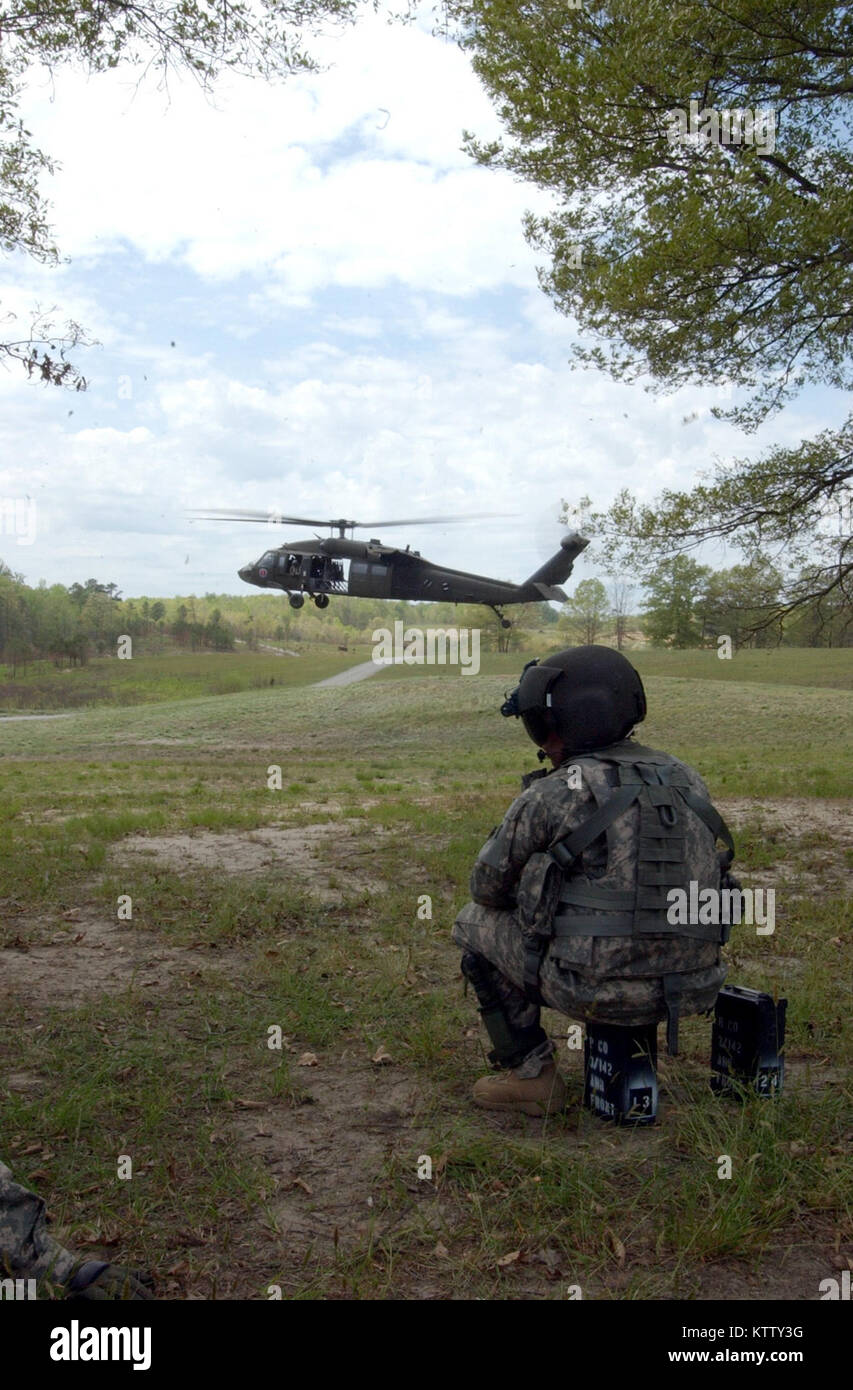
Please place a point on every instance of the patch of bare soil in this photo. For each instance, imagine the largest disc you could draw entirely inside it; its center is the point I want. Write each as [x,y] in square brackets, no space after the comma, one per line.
[329,1153]
[792,1269]
[51,815]
[333,1157]
[796,815]
[819,832]
[95,955]
[330,860]
[23,1082]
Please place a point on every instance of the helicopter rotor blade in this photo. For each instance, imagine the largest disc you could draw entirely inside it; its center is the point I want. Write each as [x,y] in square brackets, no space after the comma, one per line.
[272,517]
[269,517]
[430,520]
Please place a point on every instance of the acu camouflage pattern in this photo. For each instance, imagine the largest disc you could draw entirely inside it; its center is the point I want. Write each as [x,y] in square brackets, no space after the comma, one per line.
[27,1252]
[516,886]
[26,1249]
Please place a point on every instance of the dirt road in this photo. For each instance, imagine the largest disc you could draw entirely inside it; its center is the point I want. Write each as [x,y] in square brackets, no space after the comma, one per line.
[352,674]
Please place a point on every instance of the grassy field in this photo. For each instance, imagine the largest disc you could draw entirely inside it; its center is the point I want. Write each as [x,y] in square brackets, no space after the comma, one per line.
[256,909]
[177,675]
[172,675]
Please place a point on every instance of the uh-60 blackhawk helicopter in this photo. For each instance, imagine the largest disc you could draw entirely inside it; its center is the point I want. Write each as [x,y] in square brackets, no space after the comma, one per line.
[316,567]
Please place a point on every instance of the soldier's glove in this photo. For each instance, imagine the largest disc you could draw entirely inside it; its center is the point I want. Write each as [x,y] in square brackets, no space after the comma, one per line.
[96,1280]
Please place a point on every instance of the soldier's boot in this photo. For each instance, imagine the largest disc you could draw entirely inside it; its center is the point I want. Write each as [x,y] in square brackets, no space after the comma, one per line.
[544,1094]
[98,1281]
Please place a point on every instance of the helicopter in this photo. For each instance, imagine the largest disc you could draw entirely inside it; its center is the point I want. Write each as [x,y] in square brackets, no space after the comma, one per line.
[316,567]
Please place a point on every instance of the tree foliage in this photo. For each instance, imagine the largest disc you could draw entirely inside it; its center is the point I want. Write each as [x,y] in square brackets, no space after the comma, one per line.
[621,590]
[789,508]
[671,617]
[708,243]
[587,610]
[70,624]
[696,257]
[735,602]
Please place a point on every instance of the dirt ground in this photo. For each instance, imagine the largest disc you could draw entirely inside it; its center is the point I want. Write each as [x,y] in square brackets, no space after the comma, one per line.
[307,850]
[795,815]
[329,1155]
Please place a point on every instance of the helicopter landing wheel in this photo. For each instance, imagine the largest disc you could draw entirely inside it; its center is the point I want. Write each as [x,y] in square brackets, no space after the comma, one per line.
[505,622]
[296,600]
[321,600]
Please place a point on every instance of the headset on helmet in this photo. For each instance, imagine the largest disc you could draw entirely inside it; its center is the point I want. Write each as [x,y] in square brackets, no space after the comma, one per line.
[589,696]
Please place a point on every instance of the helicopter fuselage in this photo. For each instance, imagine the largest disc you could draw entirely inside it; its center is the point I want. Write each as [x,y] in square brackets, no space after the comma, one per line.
[315,567]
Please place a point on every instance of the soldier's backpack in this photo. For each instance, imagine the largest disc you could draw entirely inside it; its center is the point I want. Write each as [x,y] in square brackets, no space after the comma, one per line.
[611,921]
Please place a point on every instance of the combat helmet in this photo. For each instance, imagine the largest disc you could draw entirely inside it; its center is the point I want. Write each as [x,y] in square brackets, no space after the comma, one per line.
[590,696]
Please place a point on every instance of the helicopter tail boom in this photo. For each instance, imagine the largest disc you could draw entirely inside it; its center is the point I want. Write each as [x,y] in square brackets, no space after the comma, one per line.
[558,568]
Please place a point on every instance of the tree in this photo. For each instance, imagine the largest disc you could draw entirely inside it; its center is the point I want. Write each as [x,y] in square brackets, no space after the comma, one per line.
[81,593]
[674,592]
[621,592]
[101,619]
[710,242]
[217,634]
[736,600]
[587,609]
[722,252]
[828,622]
[263,38]
[494,637]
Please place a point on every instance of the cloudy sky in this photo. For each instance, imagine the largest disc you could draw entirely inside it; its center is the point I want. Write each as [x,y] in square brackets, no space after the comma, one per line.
[309,300]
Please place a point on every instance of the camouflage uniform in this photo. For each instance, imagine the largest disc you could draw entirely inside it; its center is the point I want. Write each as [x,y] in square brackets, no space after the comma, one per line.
[28,1252]
[515,883]
[26,1249]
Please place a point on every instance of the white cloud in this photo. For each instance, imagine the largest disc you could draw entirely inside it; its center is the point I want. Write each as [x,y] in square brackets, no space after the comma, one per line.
[301,178]
[358,330]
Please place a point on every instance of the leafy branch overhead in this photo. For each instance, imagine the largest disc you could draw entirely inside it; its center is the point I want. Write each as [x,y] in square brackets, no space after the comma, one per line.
[265,38]
[790,507]
[702,231]
[694,257]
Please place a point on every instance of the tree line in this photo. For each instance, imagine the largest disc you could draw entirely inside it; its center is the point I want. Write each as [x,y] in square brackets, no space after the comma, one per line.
[686,604]
[69,624]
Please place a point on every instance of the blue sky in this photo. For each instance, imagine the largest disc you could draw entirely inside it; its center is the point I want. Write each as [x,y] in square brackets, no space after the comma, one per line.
[308,299]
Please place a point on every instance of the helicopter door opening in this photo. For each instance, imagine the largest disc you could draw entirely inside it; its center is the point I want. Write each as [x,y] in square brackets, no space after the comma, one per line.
[286,567]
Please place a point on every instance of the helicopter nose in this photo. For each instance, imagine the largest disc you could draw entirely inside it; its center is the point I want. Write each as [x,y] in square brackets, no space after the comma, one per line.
[245,573]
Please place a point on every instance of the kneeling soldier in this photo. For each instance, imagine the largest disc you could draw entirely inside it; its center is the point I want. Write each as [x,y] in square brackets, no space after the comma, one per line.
[570,892]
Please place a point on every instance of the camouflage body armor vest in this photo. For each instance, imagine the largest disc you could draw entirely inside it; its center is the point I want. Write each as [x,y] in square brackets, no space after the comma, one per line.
[611,928]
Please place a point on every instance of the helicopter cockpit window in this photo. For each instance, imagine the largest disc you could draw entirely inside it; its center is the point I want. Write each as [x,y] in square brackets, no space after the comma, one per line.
[269,559]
